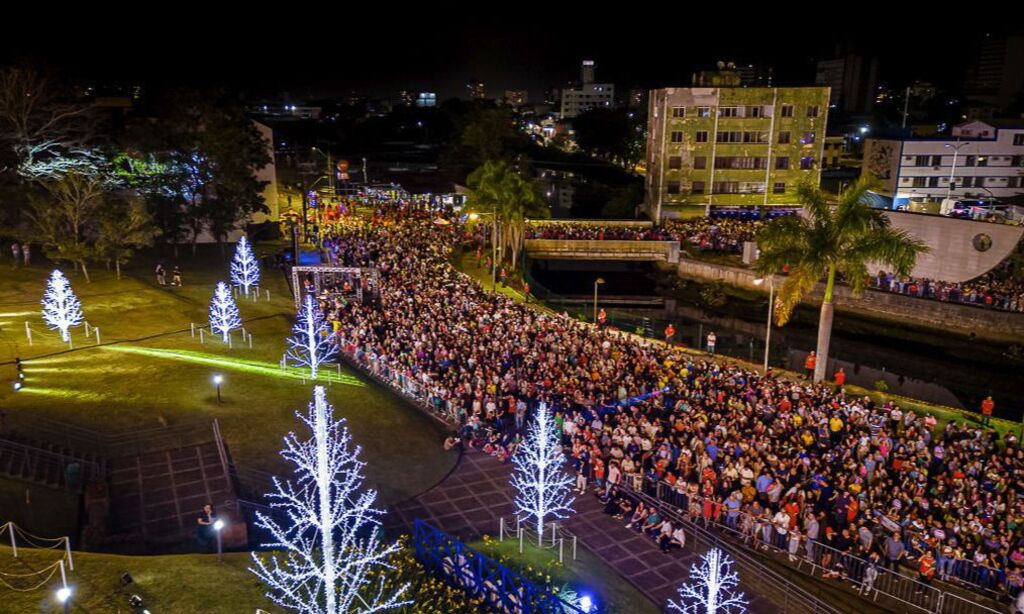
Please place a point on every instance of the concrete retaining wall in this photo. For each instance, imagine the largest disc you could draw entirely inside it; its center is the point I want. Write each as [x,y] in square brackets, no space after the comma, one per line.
[988,323]
[560,249]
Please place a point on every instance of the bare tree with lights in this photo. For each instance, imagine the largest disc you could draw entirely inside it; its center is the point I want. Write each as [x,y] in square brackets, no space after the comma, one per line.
[61,308]
[712,588]
[245,270]
[223,311]
[331,561]
[540,481]
[311,344]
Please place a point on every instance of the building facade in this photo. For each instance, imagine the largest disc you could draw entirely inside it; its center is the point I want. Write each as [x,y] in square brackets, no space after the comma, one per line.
[587,94]
[978,161]
[732,145]
[852,79]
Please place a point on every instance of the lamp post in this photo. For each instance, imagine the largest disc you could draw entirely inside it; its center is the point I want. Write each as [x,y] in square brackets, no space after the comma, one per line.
[771,312]
[597,282]
[952,171]
[217,379]
[218,526]
[64,598]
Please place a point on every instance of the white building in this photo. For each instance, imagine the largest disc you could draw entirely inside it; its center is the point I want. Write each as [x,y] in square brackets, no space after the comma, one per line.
[587,95]
[980,160]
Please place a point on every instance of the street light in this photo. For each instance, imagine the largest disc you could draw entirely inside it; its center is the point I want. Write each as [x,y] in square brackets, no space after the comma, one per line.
[771,312]
[217,379]
[218,526]
[952,171]
[597,282]
[64,597]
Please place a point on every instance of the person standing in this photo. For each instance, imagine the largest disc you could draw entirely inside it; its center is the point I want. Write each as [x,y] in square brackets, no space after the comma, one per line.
[840,377]
[16,251]
[670,332]
[161,274]
[26,251]
[894,551]
[810,363]
[987,406]
[176,276]
[711,341]
[205,532]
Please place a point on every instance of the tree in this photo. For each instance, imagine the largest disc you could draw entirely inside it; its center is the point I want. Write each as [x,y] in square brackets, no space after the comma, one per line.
[64,222]
[329,540]
[245,270]
[712,588]
[124,227]
[61,308]
[498,187]
[47,133]
[223,311]
[484,133]
[610,134]
[828,240]
[539,479]
[311,344]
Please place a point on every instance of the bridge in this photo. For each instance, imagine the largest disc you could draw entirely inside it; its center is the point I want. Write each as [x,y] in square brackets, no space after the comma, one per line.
[565,249]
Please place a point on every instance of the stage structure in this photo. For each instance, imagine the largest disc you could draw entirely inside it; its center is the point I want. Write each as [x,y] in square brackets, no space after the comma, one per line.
[352,283]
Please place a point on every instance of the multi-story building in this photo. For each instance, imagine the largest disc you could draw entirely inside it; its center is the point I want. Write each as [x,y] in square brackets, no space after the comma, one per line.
[426,99]
[587,95]
[995,76]
[732,145]
[516,98]
[980,160]
[852,79]
[832,151]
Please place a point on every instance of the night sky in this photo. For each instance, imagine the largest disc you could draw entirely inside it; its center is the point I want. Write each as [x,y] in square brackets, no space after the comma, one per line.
[310,51]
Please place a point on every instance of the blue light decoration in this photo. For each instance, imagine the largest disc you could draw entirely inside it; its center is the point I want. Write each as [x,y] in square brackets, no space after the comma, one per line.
[245,270]
[61,308]
[223,312]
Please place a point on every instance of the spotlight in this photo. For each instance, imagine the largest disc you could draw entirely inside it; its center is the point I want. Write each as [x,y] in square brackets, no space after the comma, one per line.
[126,579]
[586,603]
[135,601]
[18,385]
[63,594]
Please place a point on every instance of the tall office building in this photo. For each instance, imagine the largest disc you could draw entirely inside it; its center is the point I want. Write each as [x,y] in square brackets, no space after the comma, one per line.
[732,145]
[852,78]
[587,95]
[475,89]
[995,76]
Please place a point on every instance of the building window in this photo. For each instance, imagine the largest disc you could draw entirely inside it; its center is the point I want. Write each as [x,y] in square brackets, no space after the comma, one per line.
[1013,182]
[700,162]
[701,136]
[812,110]
[1017,160]
[755,111]
[969,160]
[936,160]
[1018,139]
[741,163]
[919,182]
[755,136]
[784,137]
[728,111]
[808,137]
[782,163]
[982,160]
[678,111]
[787,110]
[697,188]
[730,136]
[922,160]
[703,111]
[779,188]
[675,162]
[933,182]
[806,163]
[673,187]
[677,136]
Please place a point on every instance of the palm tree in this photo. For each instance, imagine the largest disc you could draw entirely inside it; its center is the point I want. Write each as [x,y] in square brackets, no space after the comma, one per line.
[827,239]
[498,186]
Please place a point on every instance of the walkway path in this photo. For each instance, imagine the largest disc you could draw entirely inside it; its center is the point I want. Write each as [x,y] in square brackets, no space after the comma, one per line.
[470,502]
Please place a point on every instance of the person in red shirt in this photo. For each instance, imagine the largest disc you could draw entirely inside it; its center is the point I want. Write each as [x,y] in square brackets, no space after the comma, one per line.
[670,331]
[810,363]
[840,377]
[986,410]
[526,291]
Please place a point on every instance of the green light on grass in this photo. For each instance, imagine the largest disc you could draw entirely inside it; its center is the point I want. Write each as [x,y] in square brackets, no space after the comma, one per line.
[78,395]
[256,367]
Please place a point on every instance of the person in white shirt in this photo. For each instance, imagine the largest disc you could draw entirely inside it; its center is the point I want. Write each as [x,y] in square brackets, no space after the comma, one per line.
[781,522]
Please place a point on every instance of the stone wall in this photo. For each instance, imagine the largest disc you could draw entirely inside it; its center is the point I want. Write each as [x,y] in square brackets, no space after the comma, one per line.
[964,319]
[561,249]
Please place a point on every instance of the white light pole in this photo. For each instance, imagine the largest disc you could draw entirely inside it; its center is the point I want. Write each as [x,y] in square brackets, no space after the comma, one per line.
[771,312]
[218,526]
[64,598]
[952,171]
[217,379]
[597,282]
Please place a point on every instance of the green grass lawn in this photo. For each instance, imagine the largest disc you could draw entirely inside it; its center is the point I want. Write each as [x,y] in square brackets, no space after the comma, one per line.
[587,571]
[151,371]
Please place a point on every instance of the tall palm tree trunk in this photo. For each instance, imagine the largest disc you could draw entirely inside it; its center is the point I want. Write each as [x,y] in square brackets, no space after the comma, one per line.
[825,328]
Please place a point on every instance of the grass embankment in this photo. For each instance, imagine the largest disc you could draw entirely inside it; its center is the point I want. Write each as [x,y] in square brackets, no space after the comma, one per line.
[150,371]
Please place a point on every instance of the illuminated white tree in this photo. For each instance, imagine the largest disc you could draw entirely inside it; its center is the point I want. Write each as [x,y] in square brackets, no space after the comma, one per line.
[712,588]
[540,481]
[61,308]
[330,551]
[311,344]
[245,270]
[223,311]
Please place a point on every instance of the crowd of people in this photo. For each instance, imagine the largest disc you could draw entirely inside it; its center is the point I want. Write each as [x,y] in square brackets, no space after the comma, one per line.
[793,464]
[994,290]
[706,234]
